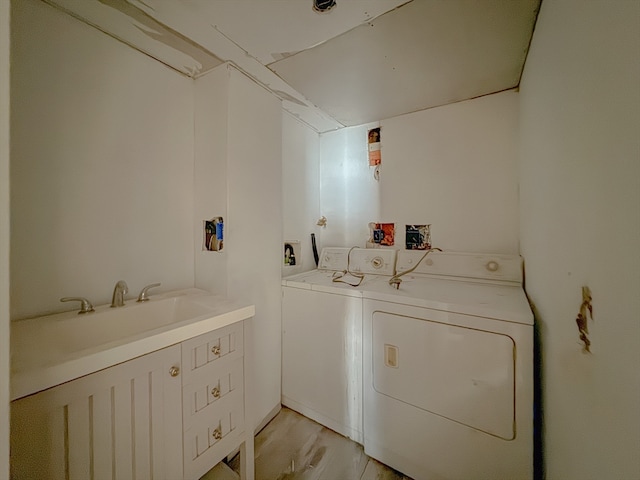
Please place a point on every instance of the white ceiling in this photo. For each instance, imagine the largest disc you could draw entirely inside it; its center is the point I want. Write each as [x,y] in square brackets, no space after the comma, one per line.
[363,61]
[271,29]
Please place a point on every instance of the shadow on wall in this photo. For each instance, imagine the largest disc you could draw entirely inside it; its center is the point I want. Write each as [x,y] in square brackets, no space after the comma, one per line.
[538,407]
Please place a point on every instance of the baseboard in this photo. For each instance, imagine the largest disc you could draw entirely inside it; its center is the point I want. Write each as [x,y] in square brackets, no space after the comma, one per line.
[270,416]
[328,422]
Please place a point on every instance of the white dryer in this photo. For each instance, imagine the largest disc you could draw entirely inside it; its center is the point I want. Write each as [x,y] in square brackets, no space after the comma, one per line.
[322,337]
[448,368]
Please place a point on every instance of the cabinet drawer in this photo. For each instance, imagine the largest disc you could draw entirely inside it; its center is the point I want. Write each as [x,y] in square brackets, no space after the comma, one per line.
[213,432]
[209,388]
[211,348]
[212,397]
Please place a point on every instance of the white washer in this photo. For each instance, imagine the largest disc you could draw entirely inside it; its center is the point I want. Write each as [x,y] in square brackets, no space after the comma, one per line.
[448,368]
[322,338]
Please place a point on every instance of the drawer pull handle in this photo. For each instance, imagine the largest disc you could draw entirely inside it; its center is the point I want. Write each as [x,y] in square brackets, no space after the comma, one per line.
[492,266]
[217,434]
[215,392]
[174,371]
[215,349]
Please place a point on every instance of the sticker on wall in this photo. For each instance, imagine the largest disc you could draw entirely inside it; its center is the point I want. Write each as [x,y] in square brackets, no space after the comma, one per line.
[418,237]
[213,234]
[375,156]
[382,234]
[289,254]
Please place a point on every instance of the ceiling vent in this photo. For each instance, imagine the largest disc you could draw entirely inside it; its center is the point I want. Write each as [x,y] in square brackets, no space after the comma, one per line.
[323,6]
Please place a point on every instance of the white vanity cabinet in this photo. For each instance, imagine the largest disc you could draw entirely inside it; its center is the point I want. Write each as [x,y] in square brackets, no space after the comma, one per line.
[170,414]
[122,422]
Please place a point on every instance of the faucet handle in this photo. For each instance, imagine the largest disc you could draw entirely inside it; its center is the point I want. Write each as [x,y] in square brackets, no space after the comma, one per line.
[85,305]
[143,293]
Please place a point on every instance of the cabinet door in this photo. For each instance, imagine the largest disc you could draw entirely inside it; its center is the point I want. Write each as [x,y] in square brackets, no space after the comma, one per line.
[120,423]
[322,358]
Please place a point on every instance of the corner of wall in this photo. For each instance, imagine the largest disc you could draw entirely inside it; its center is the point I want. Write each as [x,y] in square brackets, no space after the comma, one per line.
[4,236]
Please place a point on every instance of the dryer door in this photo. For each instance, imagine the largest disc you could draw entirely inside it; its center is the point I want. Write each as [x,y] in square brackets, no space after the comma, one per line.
[459,373]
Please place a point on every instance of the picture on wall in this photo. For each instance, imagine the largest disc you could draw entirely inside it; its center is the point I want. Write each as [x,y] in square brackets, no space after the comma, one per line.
[382,233]
[213,234]
[374,144]
[418,237]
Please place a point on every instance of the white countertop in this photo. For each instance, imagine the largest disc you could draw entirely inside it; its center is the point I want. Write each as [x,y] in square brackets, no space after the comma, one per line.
[50,350]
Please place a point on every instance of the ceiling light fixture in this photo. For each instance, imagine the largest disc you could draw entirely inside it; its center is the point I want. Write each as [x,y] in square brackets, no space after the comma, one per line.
[323,6]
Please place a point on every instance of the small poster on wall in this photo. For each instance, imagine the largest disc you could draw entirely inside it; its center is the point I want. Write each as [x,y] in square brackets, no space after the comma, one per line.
[375,156]
[382,233]
[418,237]
[213,234]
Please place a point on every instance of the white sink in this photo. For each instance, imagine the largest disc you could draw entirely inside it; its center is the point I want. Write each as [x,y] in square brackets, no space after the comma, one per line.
[82,332]
[53,349]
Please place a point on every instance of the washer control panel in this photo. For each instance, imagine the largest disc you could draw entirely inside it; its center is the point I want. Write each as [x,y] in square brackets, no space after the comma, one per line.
[358,260]
[376,261]
[333,258]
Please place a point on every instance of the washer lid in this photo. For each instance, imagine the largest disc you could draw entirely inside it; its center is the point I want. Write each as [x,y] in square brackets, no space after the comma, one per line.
[322,281]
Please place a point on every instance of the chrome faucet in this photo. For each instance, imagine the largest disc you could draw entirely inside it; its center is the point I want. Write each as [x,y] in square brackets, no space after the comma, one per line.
[119,292]
[144,293]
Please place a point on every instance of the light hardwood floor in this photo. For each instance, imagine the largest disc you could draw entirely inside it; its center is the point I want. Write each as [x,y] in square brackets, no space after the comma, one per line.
[293,447]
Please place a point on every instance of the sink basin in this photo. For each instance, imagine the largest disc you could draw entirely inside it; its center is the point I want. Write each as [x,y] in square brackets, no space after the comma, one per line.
[104,326]
[69,332]
[53,349]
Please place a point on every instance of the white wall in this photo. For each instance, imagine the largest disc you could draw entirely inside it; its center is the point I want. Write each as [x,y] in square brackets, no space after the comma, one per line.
[105,147]
[454,167]
[210,145]
[238,175]
[4,237]
[580,225]
[300,189]
[349,195]
[101,165]
[254,231]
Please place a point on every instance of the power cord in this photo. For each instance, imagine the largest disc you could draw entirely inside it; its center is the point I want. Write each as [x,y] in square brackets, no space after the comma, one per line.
[395,281]
[338,277]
